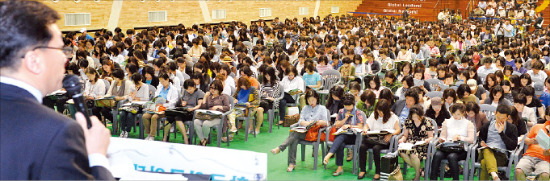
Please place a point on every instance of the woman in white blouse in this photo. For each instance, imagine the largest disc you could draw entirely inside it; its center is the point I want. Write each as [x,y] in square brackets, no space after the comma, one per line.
[457,128]
[404,54]
[291,85]
[95,87]
[164,90]
[141,94]
[382,119]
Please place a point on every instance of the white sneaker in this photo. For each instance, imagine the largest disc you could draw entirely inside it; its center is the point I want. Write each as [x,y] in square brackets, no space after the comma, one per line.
[122,134]
[126,134]
[147,138]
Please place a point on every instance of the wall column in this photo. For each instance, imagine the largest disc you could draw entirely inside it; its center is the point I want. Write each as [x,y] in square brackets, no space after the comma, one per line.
[115,14]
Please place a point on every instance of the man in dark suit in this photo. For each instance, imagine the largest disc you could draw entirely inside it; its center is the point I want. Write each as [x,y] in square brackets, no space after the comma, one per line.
[37,142]
[401,107]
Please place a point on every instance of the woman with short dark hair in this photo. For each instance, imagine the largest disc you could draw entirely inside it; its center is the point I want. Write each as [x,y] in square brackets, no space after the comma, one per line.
[127,115]
[189,101]
[213,100]
[457,128]
[347,118]
[312,112]
[496,97]
[167,91]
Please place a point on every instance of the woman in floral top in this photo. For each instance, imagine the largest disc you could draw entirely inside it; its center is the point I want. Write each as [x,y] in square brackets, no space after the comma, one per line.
[417,128]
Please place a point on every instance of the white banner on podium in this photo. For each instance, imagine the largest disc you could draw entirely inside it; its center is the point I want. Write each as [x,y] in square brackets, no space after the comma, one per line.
[130,155]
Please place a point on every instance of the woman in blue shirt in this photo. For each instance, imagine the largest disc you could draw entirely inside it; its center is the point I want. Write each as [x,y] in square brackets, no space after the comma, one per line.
[167,91]
[312,112]
[348,117]
[311,78]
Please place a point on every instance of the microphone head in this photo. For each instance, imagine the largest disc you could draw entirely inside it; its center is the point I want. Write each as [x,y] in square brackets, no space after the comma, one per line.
[72,84]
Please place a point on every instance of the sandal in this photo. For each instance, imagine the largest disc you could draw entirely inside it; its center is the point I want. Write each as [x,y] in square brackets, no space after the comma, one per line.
[374,178]
[224,139]
[276,150]
[349,158]
[290,168]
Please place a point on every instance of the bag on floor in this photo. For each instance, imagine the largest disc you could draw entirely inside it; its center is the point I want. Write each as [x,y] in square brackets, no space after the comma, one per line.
[389,168]
[290,120]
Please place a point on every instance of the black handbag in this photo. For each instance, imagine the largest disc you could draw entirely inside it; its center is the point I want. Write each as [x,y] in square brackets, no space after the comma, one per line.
[451,147]
[376,140]
[176,112]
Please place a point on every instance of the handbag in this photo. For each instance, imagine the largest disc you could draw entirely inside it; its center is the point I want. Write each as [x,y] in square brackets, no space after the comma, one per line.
[291,119]
[451,147]
[105,102]
[312,133]
[205,116]
[389,168]
[377,140]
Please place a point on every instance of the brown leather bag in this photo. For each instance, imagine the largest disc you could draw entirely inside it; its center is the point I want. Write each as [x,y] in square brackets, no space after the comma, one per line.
[291,119]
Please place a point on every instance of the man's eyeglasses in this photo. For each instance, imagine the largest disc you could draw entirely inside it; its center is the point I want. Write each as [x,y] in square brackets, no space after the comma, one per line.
[68,51]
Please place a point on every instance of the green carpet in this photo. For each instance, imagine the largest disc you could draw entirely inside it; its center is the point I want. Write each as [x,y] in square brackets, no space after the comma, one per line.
[277,164]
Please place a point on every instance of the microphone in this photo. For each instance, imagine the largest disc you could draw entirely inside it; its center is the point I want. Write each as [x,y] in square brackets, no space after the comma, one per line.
[72,84]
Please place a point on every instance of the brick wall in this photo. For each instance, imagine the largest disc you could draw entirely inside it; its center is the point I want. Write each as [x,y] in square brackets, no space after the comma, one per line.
[134,13]
[100,12]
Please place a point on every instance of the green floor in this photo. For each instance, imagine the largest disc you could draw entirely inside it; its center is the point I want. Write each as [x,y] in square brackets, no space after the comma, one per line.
[277,164]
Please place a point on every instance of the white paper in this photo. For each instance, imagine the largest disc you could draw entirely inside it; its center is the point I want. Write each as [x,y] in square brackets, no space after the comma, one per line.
[210,112]
[373,132]
[300,129]
[358,130]
[405,146]
[543,140]
[139,102]
[341,131]
[419,143]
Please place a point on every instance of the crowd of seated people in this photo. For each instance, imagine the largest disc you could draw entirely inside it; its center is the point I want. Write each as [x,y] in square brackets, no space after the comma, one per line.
[395,75]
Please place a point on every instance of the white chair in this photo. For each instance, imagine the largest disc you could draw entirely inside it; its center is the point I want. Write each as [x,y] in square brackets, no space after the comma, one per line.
[433,94]
[274,111]
[482,77]
[489,110]
[218,49]
[330,79]
[434,84]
